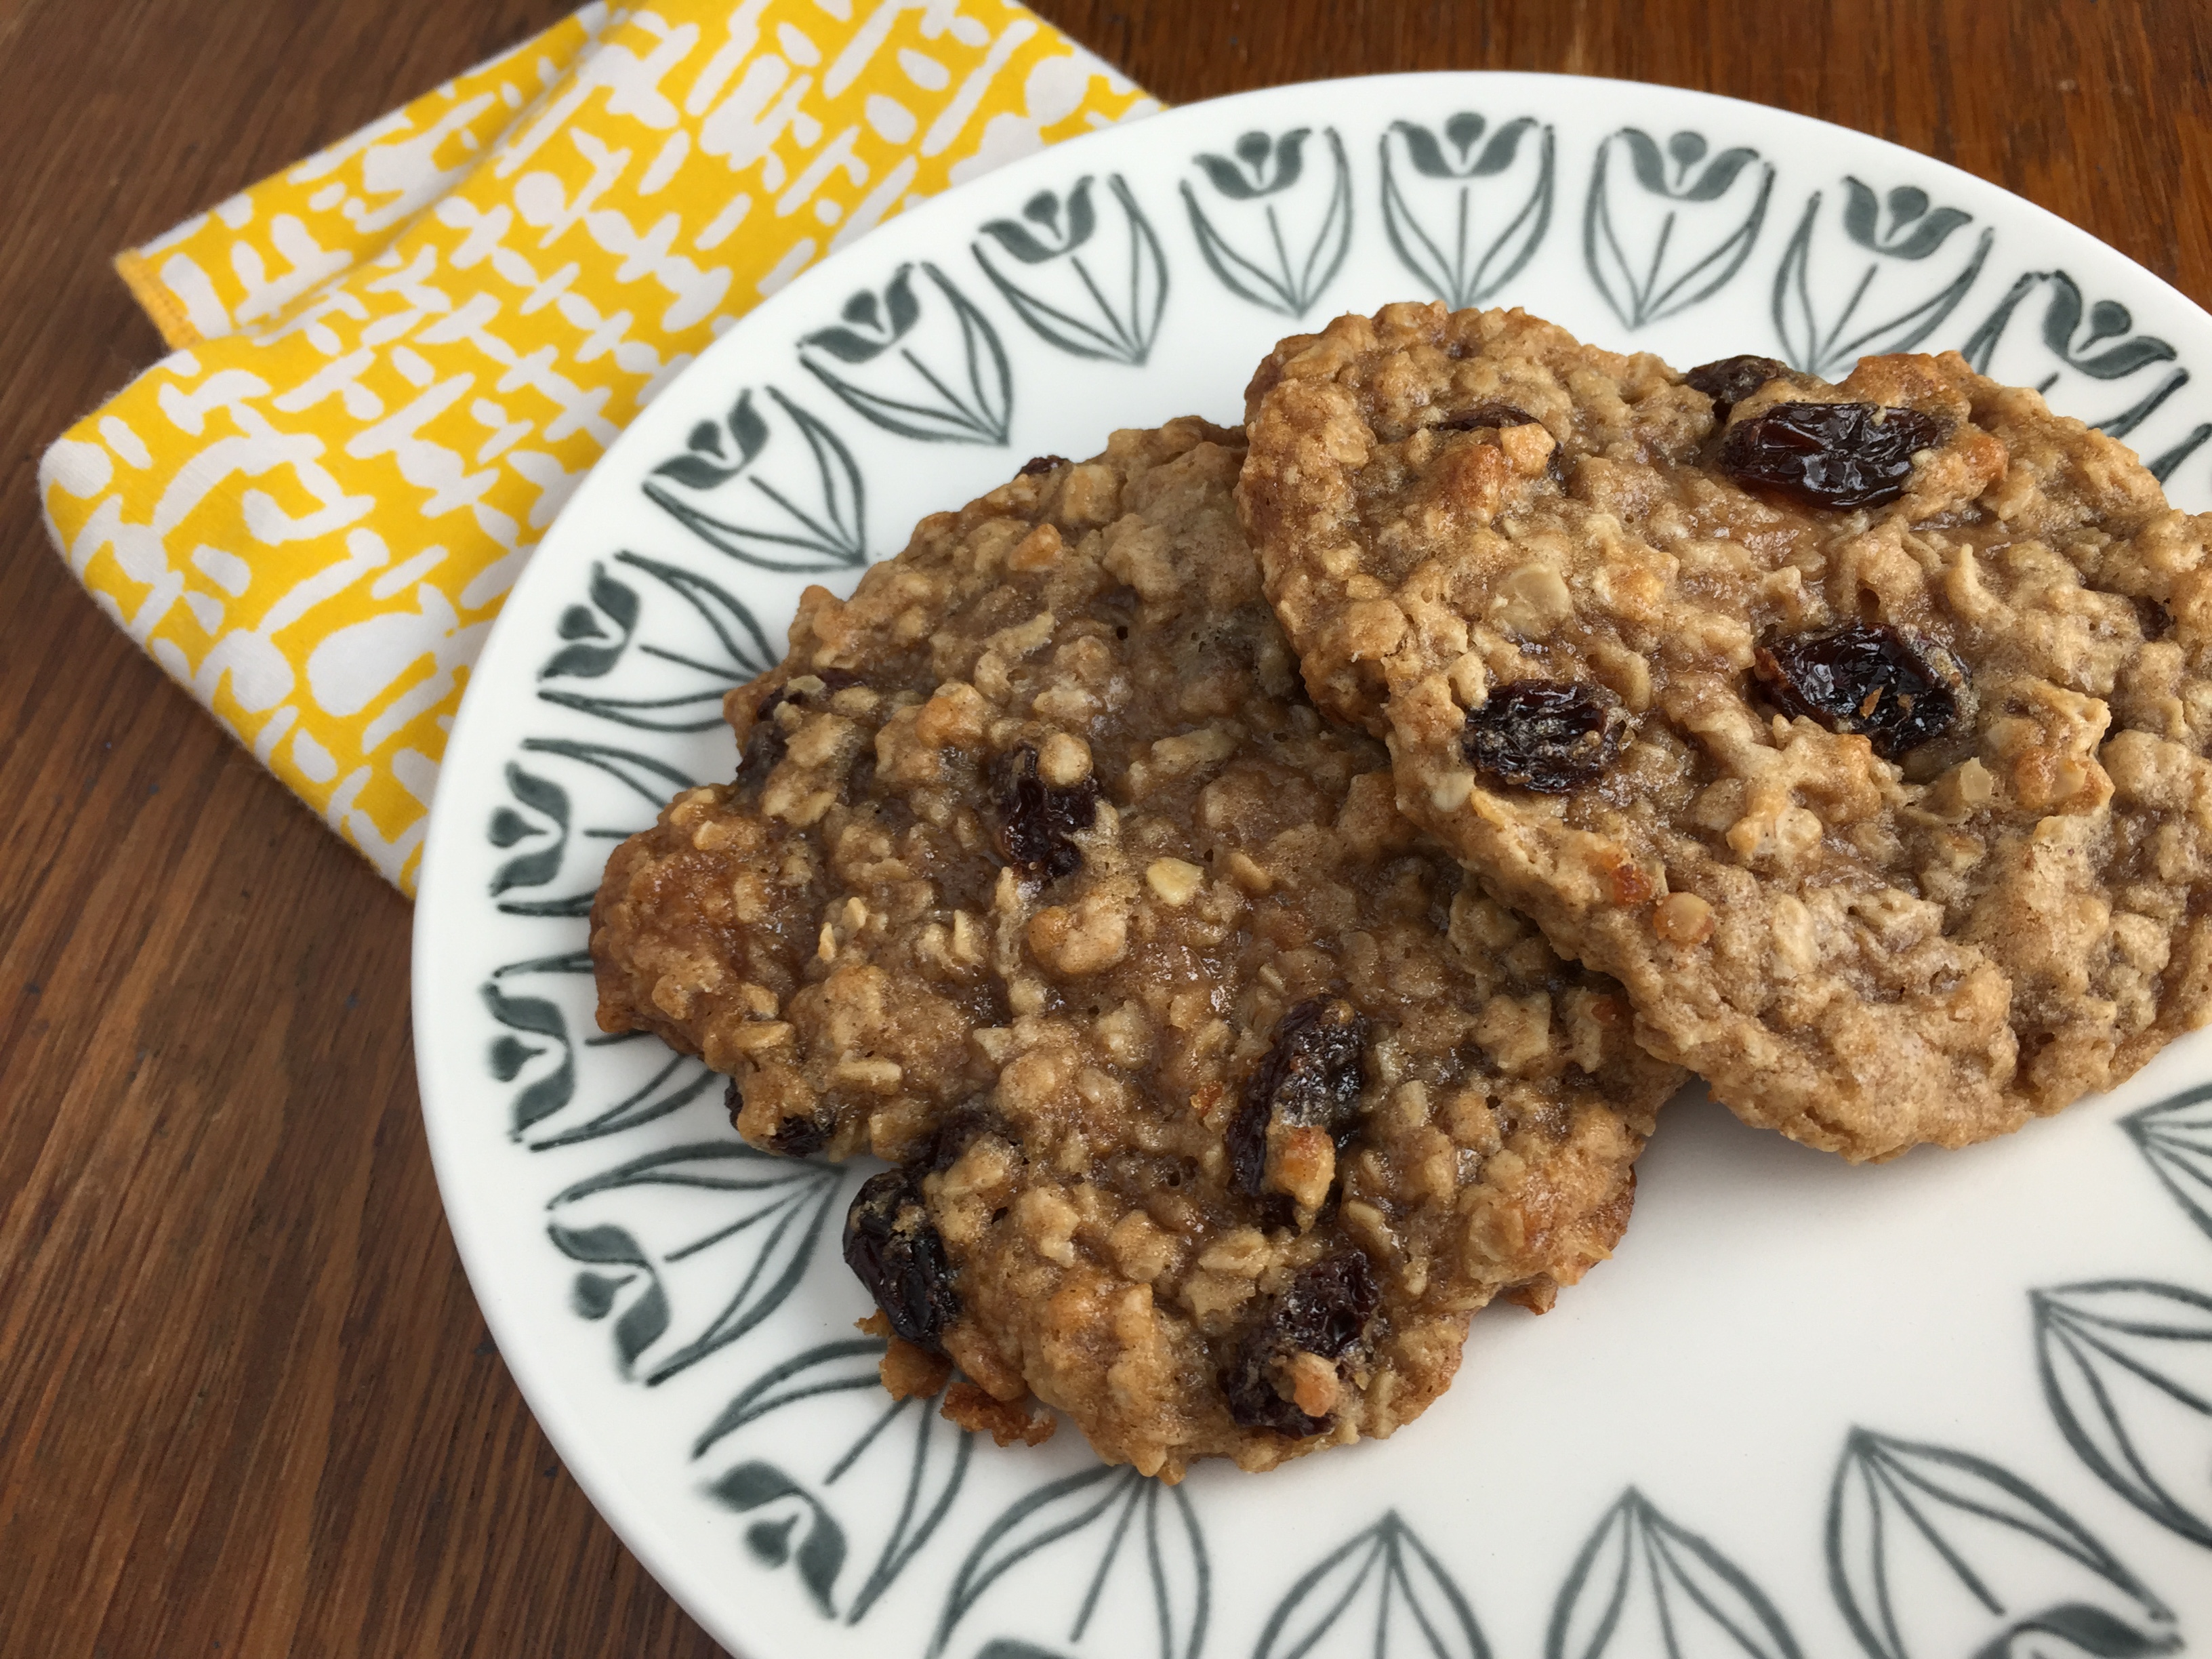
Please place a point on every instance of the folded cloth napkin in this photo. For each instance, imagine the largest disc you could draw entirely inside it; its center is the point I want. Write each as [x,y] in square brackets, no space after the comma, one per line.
[393,361]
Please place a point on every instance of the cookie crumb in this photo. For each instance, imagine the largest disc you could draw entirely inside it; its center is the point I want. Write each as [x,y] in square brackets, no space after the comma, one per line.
[1004,1420]
[911,1373]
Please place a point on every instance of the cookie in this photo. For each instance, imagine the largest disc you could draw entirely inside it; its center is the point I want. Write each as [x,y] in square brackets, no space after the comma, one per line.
[1219,1100]
[1857,729]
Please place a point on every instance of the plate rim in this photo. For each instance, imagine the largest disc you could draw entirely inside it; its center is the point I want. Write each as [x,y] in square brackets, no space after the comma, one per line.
[640,1526]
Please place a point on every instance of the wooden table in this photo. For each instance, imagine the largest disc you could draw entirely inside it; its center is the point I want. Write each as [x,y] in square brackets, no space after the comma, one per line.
[247,1404]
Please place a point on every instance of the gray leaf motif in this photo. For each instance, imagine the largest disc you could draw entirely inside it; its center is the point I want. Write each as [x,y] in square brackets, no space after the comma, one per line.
[1932,1550]
[2127,1369]
[593,649]
[782,492]
[1094,285]
[923,363]
[760,1489]
[548,814]
[1274,230]
[672,680]
[1832,306]
[647,777]
[879,1478]
[536,1040]
[1464,215]
[1643,1586]
[701,1242]
[1381,1595]
[2086,358]
[575,1092]
[1102,1562]
[1914,231]
[2175,1136]
[615,1105]
[545,802]
[511,1054]
[1663,232]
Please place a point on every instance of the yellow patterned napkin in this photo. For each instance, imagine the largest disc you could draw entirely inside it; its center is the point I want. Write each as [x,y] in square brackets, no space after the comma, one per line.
[395,361]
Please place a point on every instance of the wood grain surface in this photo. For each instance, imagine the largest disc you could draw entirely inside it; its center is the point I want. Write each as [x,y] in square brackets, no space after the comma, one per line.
[247,1405]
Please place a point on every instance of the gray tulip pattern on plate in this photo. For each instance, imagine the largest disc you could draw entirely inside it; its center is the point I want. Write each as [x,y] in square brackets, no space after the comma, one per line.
[2074,342]
[1644,1585]
[535,1030]
[1932,1550]
[806,1520]
[711,1236]
[2127,1369]
[1913,264]
[1465,213]
[553,1106]
[596,633]
[706,643]
[1093,282]
[541,811]
[771,485]
[1383,1594]
[1663,230]
[1102,1562]
[563,1091]
[1273,217]
[918,359]
[2176,1136]
[537,828]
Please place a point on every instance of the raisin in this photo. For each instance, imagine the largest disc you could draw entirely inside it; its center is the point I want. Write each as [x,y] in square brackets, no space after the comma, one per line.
[1037,821]
[1326,1307]
[1730,380]
[1547,735]
[1325,1310]
[1037,464]
[801,1136]
[1839,455]
[794,1137]
[1868,679]
[2156,621]
[1312,1075]
[894,1248]
[766,743]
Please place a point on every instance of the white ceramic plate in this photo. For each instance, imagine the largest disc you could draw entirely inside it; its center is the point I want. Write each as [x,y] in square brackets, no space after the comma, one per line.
[1960,1405]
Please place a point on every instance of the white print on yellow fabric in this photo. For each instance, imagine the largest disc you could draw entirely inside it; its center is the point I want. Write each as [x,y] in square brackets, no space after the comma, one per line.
[411,347]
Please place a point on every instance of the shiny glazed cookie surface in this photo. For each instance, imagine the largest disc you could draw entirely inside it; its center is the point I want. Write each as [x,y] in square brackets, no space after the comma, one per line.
[1218,1099]
[1858,729]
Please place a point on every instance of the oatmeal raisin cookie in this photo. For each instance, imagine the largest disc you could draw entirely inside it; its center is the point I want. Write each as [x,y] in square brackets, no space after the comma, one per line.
[1217,1100]
[1858,729]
